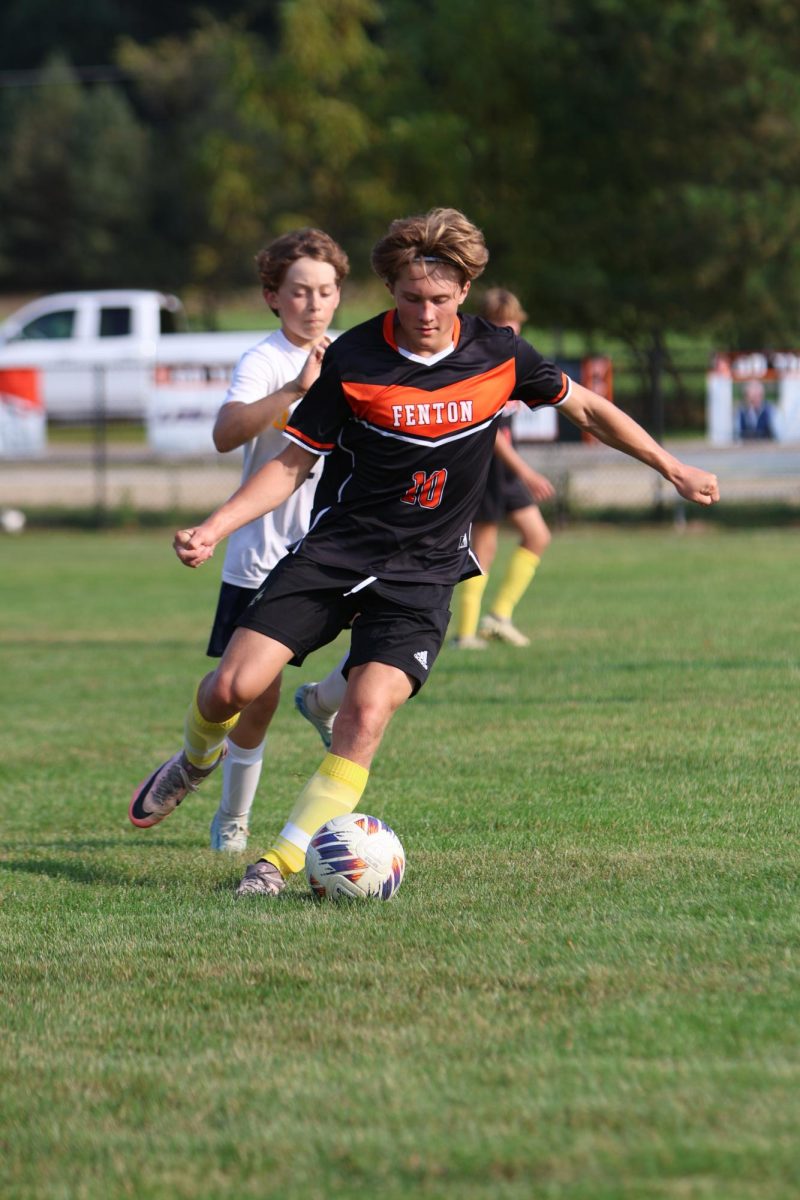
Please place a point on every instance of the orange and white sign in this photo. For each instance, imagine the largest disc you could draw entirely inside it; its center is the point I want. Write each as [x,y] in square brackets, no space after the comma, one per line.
[22,418]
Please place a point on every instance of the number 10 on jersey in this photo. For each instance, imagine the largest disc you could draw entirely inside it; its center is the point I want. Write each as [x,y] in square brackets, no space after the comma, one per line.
[426,490]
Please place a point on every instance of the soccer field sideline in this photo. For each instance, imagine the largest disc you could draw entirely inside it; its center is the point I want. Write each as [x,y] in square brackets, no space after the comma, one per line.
[586,986]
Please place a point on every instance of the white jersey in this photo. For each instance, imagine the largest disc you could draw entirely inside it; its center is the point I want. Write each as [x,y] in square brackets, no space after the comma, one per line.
[255,549]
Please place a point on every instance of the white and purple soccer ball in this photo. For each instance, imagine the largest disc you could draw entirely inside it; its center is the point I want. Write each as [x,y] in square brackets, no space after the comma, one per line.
[355,857]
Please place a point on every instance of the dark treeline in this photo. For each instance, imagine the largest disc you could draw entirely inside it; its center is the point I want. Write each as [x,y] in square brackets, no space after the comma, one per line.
[635,167]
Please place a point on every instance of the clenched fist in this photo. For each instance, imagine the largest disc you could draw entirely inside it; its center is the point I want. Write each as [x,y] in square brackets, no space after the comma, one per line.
[192,546]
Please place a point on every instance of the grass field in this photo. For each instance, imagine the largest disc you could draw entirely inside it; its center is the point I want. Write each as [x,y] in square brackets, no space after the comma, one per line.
[587,986]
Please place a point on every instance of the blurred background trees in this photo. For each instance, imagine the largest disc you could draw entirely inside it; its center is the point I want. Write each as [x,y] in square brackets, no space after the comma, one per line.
[635,167]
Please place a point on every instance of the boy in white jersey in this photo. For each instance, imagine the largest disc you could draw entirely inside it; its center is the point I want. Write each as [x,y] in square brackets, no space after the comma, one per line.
[301,275]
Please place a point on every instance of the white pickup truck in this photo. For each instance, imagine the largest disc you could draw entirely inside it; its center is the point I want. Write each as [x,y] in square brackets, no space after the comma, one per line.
[102,353]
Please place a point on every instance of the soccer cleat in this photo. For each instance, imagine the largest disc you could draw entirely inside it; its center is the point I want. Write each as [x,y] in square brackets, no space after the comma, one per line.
[502,630]
[468,643]
[229,833]
[166,788]
[323,725]
[261,879]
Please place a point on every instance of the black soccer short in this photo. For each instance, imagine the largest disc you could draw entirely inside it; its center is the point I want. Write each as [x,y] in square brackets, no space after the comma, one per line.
[232,602]
[305,605]
[505,493]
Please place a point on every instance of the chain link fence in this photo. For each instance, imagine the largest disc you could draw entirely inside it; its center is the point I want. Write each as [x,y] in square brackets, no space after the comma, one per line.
[104,470]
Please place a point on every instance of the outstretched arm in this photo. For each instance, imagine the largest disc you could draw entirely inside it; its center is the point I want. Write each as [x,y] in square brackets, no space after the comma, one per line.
[263,492]
[600,417]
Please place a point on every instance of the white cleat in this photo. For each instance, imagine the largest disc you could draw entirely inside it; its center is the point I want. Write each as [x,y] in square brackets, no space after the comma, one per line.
[229,834]
[469,643]
[323,725]
[501,629]
[261,879]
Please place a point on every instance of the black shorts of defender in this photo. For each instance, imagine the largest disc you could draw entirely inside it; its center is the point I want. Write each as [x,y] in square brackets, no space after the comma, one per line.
[233,601]
[505,493]
[305,605]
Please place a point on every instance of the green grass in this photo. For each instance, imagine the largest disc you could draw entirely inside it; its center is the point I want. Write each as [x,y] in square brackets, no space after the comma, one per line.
[587,985]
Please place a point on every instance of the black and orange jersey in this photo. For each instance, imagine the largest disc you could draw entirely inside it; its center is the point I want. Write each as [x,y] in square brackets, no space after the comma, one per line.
[408,445]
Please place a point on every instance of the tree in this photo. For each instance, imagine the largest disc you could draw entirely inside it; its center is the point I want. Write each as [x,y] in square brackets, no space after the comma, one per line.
[73,192]
[328,72]
[253,139]
[635,168]
[213,133]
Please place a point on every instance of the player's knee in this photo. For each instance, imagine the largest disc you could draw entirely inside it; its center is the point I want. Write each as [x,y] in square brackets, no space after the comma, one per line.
[366,718]
[232,691]
[545,538]
[537,541]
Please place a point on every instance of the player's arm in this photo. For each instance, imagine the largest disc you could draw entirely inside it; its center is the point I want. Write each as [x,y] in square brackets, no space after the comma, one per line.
[600,417]
[264,491]
[538,486]
[238,422]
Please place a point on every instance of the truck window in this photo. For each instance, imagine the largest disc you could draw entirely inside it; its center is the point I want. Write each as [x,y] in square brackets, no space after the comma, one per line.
[115,322]
[49,325]
[169,321]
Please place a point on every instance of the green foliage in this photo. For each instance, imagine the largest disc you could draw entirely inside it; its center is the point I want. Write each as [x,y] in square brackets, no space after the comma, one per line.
[73,186]
[214,131]
[635,167]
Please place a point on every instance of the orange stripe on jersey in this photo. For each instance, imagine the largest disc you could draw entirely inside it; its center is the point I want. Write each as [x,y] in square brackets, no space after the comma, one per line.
[409,410]
[563,390]
[388,327]
[307,442]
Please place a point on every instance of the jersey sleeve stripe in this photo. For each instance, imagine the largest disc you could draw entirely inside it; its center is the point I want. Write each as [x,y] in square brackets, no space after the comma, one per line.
[307,443]
[566,386]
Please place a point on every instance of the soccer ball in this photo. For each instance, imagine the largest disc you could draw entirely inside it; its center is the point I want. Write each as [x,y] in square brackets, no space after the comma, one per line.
[12,520]
[355,857]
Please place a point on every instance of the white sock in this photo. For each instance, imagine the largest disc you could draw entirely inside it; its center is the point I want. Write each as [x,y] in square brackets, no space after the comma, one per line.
[327,697]
[241,771]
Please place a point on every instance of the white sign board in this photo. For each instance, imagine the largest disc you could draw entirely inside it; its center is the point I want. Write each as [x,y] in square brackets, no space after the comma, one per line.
[183,405]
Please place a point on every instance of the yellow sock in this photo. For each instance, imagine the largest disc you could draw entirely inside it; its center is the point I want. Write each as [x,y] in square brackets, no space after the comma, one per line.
[335,788]
[521,570]
[203,740]
[470,594]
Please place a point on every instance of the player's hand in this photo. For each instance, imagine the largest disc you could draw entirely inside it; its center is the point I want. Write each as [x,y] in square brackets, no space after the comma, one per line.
[693,483]
[312,365]
[193,547]
[539,487]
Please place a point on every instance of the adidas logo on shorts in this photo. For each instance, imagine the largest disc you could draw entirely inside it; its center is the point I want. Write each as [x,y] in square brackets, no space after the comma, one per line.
[422,658]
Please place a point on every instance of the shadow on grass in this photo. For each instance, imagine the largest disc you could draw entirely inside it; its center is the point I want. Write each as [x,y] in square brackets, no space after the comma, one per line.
[81,872]
[114,875]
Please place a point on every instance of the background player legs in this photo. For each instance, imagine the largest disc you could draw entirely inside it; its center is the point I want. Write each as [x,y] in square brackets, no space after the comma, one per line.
[241,772]
[320,702]
[534,539]
[469,594]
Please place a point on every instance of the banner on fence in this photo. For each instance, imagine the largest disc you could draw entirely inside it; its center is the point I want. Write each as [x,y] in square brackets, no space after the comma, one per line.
[754,395]
[183,405]
[23,427]
[543,424]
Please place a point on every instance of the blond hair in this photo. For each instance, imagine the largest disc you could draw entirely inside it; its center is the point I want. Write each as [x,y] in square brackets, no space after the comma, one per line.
[501,307]
[443,236]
